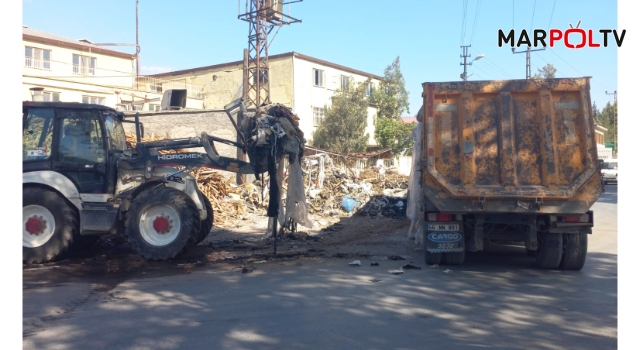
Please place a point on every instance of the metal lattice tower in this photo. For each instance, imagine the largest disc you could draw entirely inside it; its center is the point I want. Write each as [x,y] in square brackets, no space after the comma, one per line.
[263,16]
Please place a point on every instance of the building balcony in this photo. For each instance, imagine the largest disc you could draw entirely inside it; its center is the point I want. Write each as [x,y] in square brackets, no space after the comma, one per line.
[83,74]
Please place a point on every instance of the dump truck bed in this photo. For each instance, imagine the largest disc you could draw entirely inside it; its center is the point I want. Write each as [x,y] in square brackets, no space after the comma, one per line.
[510,146]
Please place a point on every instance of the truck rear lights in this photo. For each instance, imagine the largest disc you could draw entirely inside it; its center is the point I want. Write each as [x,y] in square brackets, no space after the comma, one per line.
[439,217]
[586,218]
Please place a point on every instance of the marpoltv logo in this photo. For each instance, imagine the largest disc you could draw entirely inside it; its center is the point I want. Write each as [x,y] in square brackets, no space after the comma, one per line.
[572,38]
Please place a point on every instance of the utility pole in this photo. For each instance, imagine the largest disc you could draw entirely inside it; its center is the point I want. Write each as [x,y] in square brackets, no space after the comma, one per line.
[465,51]
[528,51]
[263,16]
[137,46]
[465,54]
[241,178]
[615,119]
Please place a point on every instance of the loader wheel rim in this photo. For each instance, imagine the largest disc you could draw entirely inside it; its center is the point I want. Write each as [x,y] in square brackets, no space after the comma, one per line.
[160,225]
[38,226]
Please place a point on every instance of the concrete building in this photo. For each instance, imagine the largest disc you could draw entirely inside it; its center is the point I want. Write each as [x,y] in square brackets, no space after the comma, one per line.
[303,83]
[80,71]
[603,152]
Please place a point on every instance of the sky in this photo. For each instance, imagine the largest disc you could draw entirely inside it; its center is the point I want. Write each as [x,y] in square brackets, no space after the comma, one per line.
[364,35]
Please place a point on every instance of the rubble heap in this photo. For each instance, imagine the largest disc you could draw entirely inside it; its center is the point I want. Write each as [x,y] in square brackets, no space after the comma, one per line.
[336,188]
[329,183]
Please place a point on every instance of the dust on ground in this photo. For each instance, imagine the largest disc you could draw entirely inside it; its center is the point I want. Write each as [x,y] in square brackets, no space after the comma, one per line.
[244,248]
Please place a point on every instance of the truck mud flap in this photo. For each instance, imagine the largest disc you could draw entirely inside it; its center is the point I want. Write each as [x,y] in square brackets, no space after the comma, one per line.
[441,241]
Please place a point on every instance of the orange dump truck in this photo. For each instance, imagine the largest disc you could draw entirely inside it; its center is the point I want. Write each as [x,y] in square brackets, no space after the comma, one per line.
[510,160]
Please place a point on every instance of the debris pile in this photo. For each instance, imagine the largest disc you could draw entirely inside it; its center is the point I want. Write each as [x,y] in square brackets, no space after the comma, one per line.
[333,187]
[337,190]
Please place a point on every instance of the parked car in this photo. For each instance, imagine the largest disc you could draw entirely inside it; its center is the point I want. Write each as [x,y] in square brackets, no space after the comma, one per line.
[610,171]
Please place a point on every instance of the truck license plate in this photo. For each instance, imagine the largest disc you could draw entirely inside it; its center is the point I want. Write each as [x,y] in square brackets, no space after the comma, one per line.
[443,227]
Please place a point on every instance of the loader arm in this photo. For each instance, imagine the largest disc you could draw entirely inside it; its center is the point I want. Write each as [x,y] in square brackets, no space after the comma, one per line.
[146,155]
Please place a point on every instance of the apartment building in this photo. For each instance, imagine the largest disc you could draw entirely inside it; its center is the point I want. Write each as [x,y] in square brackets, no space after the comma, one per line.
[62,69]
[303,83]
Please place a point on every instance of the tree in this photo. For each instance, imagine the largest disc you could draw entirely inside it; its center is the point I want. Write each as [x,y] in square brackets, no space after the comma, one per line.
[395,134]
[547,72]
[345,122]
[391,100]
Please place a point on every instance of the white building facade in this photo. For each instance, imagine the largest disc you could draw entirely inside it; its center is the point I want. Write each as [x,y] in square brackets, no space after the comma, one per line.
[71,70]
[303,83]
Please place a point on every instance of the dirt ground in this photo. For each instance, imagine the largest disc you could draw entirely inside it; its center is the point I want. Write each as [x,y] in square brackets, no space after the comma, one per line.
[244,248]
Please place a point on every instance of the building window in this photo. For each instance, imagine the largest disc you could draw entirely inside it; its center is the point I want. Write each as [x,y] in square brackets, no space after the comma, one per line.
[388,163]
[51,96]
[155,86]
[264,75]
[318,78]
[84,65]
[37,58]
[318,116]
[93,100]
[369,89]
[344,82]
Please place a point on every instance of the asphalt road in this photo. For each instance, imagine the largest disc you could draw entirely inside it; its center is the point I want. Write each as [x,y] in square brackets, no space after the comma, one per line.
[498,299]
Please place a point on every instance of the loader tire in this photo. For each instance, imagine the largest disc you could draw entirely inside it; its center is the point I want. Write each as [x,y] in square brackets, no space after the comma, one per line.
[454,258]
[206,224]
[49,225]
[574,251]
[161,223]
[549,251]
[430,258]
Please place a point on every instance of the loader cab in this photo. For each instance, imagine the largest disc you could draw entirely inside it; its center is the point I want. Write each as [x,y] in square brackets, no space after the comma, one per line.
[80,141]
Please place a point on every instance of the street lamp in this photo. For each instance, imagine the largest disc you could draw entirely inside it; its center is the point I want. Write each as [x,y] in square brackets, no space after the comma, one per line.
[464,75]
[36,94]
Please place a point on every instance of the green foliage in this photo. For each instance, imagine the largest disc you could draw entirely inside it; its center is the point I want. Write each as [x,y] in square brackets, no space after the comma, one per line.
[547,72]
[395,134]
[345,122]
[391,98]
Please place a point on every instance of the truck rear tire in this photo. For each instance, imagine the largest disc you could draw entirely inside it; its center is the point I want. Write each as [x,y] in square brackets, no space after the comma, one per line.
[549,252]
[49,225]
[430,258]
[162,222]
[454,258]
[574,252]
[206,224]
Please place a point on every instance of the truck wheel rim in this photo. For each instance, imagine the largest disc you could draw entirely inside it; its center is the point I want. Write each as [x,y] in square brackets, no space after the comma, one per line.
[38,226]
[160,225]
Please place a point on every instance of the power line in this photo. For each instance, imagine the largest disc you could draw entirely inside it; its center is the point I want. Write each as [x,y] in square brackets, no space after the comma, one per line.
[497,67]
[476,73]
[489,74]
[473,30]
[552,10]
[496,71]
[574,68]
[533,14]
[464,20]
